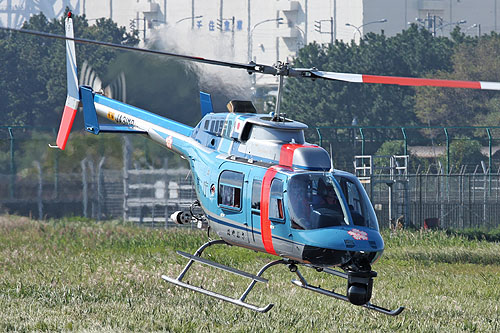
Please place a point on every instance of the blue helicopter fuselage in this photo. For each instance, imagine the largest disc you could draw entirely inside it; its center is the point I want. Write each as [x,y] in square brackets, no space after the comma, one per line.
[261,185]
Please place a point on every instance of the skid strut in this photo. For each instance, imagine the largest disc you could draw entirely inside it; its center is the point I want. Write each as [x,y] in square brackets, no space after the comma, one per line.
[303,283]
[240,301]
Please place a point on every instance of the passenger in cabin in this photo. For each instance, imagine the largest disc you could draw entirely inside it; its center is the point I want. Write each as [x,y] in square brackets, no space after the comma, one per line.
[301,203]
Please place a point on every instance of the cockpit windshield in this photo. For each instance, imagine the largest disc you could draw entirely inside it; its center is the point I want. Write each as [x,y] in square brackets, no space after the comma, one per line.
[315,201]
[319,200]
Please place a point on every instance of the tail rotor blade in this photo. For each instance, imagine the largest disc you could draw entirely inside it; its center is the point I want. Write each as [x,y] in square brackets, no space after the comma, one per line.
[73,98]
[66,122]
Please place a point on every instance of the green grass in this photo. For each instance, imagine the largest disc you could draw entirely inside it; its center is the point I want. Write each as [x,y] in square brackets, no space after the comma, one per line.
[85,276]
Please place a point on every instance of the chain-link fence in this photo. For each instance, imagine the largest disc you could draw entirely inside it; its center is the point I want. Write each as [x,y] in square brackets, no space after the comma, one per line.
[118,178]
[455,201]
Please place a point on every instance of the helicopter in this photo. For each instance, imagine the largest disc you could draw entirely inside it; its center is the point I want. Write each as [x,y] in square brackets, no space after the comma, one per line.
[260,185]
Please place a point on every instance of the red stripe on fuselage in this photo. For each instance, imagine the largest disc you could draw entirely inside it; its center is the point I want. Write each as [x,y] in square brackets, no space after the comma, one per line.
[287,150]
[265,222]
[65,127]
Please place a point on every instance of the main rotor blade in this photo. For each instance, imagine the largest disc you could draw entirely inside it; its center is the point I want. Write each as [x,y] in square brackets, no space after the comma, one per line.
[404,81]
[287,71]
[251,67]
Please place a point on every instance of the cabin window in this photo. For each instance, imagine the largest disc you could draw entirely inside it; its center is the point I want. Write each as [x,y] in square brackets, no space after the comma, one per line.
[224,124]
[212,127]
[207,123]
[219,126]
[276,200]
[227,128]
[256,189]
[230,186]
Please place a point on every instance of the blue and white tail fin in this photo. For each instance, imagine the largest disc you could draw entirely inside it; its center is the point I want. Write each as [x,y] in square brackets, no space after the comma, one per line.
[73,98]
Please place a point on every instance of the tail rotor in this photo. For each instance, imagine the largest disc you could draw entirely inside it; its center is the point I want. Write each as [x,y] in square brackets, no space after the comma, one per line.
[73,97]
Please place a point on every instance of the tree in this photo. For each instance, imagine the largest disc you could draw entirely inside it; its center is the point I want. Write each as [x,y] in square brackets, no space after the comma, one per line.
[33,69]
[464,152]
[414,52]
[475,60]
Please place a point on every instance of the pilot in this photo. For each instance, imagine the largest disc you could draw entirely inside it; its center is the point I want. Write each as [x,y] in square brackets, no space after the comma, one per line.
[331,196]
[327,197]
[319,198]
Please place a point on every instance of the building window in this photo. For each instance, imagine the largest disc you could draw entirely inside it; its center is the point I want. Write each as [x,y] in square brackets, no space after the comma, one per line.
[230,187]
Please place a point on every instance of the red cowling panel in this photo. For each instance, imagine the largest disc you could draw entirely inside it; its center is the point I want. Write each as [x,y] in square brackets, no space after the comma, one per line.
[287,150]
[407,81]
[65,127]
[265,223]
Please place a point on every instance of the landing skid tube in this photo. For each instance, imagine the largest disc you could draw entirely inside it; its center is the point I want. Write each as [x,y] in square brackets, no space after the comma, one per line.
[241,301]
[303,283]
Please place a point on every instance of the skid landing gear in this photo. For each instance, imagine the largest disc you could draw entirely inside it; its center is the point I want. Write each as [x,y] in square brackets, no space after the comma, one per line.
[359,284]
[240,301]
[359,289]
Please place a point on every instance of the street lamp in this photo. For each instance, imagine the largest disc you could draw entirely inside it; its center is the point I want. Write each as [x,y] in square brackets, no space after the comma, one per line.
[451,23]
[189,18]
[250,39]
[192,18]
[303,36]
[475,25]
[358,28]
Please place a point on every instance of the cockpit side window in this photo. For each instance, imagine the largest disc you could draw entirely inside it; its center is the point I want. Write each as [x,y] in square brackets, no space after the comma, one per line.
[358,203]
[276,201]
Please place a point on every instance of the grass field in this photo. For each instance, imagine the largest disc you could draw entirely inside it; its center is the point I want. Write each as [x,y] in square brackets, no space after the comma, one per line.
[88,276]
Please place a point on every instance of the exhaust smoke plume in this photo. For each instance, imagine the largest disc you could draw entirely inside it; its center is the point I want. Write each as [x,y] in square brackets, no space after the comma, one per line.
[216,80]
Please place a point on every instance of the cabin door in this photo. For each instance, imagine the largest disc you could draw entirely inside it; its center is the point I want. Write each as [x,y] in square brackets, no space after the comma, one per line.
[268,222]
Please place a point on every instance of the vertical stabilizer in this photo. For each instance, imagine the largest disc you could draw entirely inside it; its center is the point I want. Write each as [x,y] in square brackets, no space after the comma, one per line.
[206,104]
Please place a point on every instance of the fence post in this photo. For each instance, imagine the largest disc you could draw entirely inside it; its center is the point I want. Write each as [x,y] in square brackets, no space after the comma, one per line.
[12,165]
[485,173]
[126,162]
[489,160]
[447,150]
[83,164]
[362,141]
[56,170]
[92,189]
[40,190]
[406,141]
[319,137]
[100,194]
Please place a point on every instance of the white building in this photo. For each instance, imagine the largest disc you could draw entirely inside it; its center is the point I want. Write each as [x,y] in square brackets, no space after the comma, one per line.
[265,31]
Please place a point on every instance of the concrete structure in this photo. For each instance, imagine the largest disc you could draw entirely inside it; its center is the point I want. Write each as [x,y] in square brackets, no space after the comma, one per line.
[265,31]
